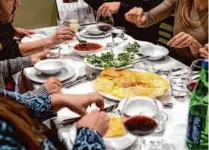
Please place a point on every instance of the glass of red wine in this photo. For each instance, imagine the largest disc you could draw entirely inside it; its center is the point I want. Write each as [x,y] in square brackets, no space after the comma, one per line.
[141,117]
[104,23]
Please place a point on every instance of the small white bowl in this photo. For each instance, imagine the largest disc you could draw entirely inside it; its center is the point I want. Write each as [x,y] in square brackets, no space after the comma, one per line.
[49,66]
[86,53]
[92,29]
[140,104]
[154,51]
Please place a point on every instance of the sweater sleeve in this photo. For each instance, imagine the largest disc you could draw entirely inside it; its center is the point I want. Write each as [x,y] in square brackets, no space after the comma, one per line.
[88,139]
[12,66]
[162,11]
[40,106]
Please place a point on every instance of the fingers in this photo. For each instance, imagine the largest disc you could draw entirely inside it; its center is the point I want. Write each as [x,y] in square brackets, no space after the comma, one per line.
[136,16]
[204,53]
[179,41]
[97,99]
[175,38]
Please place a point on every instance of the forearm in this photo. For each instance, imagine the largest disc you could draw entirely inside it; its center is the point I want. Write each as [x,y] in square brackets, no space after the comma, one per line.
[159,13]
[12,66]
[30,48]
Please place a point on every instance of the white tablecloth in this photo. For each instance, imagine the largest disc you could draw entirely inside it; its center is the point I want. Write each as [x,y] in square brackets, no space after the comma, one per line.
[175,132]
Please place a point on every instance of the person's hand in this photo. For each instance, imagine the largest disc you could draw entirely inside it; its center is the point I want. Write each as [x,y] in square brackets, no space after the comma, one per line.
[97,121]
[81,102]
[204,51]
[109,8]
[64,34]
[20,33]
[181,40]
[53,85]
[39,56]
[136,16]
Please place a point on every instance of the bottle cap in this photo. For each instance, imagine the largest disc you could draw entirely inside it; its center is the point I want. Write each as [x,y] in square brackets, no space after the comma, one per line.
[205,63]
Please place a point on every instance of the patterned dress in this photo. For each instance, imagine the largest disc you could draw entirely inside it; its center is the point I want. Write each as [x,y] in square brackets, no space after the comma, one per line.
[40,106]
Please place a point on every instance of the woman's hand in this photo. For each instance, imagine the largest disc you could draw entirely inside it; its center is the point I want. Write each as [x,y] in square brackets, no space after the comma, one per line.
[136,16]
[204,51]
[109,8]
[181,40]
[81,102]
[64,34]
[53,85]
[97,121]
[20,33]
[39,56]
[77,103]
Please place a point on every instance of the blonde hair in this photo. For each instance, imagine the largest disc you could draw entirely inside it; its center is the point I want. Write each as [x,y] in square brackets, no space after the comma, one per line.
[186,7]
[31,130]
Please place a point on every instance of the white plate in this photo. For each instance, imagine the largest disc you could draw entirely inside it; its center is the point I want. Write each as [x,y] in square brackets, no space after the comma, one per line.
[113,98]
[65,74]
[116,143]
[32,38]
[102,68]
[85,34]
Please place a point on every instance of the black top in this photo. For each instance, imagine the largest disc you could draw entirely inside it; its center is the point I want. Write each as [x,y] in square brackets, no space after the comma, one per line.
[145,34]
[8,45]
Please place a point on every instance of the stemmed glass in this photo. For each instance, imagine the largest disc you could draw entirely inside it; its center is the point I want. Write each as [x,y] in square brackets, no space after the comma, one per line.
[184,80]
[140,121]
[104,23]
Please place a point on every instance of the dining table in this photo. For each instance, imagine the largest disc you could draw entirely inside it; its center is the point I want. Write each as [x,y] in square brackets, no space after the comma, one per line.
[174,135]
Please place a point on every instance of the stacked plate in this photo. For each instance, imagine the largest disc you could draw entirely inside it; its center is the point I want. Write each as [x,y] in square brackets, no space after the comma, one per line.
[50,68]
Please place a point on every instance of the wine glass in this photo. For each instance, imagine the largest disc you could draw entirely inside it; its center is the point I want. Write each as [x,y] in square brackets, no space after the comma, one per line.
[141,116]
[195,70]
[104,23]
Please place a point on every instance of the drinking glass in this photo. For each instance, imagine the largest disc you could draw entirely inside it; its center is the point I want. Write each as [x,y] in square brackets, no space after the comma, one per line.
[54,51]
[104,23]
[117,32]
[140,121]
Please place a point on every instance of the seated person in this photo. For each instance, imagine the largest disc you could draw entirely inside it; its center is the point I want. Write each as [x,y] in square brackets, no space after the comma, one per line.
[12,66]
[118,9]
[34,135]
[9,48]
[190,27]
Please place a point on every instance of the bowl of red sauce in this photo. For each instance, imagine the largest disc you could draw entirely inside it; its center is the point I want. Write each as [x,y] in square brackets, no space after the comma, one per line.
[84,49]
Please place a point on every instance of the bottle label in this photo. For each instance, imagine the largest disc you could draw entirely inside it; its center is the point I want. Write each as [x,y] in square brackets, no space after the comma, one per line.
[194,129]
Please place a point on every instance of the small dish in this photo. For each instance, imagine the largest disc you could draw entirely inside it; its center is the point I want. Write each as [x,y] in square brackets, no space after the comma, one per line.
[49,66]
[154,52]
[85,48]
[92,29]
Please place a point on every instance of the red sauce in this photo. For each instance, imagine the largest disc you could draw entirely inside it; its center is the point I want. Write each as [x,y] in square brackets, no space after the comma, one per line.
[87,47]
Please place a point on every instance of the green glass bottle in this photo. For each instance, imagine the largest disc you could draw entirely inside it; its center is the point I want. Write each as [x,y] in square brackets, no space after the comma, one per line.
[197,132]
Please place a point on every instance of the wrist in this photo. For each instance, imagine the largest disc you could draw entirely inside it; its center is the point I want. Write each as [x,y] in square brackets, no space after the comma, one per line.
[58,101]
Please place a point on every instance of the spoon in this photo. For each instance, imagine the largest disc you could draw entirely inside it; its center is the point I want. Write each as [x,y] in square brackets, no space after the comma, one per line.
[80,41]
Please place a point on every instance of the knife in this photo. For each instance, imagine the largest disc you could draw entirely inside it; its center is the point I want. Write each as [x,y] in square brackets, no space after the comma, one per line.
[67,122]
